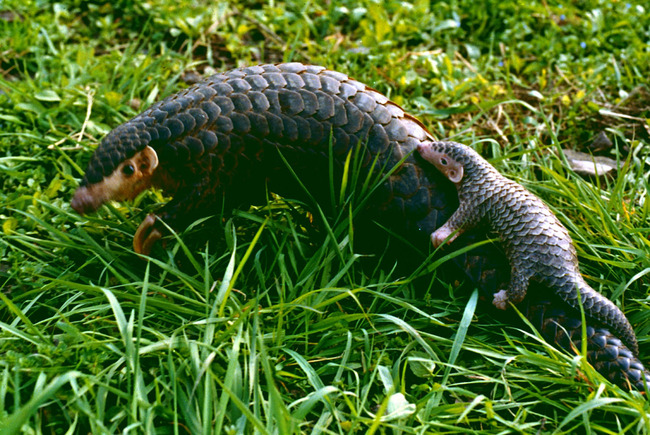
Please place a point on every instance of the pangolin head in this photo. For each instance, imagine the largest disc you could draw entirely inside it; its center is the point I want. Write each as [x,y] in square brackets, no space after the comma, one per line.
[120,168]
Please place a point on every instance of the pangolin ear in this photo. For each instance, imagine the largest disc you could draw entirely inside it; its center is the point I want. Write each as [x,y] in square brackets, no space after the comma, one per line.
[151,157]
[455,175]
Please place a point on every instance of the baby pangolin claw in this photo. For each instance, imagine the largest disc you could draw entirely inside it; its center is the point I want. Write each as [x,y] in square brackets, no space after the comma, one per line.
[146,235]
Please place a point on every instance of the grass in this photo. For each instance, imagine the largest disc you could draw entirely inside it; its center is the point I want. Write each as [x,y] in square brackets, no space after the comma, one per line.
[274,325]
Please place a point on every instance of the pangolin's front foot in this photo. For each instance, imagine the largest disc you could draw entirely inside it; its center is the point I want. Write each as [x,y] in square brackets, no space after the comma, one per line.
[439,236]
[146,235]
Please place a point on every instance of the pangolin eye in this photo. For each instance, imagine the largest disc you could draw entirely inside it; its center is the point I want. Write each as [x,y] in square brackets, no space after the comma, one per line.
[128,170]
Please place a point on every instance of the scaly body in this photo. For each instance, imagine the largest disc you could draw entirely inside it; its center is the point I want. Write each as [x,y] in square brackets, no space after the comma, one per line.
[224,134]
[537,245]
[222,137]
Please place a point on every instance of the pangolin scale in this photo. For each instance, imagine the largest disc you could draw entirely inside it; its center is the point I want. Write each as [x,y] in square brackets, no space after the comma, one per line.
[227,136]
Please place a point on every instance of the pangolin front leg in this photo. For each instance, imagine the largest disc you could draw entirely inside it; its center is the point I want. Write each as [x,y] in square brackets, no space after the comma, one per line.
[146,235]
[189,204]
[462,220]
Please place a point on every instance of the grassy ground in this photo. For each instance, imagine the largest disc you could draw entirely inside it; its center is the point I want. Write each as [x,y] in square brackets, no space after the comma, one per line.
[276,327]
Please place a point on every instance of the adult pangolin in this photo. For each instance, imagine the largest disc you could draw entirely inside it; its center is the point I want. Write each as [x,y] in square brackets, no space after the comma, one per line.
[222,141]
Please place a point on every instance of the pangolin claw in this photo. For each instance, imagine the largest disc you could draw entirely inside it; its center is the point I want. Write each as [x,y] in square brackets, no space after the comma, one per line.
[146,235]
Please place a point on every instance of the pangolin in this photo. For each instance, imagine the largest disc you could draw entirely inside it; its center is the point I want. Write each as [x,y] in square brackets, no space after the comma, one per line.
[538,246]
[222,140]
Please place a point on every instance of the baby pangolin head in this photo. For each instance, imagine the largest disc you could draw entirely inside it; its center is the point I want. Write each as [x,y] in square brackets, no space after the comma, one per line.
[446,158]
[126,181]
[456,161]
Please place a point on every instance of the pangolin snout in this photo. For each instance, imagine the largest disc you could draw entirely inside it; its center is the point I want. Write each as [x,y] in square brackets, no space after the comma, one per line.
[84,201]
[425,149]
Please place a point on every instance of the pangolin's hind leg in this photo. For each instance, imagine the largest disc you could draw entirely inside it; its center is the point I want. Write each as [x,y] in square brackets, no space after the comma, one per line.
[516,291]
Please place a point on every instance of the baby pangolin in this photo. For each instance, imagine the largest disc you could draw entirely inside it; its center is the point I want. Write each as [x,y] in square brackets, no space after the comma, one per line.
[538,246]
